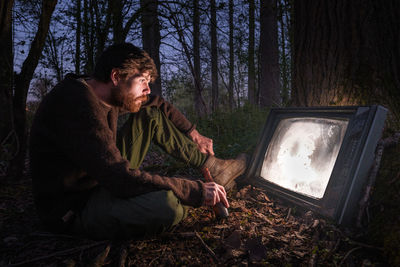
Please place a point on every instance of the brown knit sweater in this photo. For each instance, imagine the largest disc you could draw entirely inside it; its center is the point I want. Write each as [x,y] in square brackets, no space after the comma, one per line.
[73,150]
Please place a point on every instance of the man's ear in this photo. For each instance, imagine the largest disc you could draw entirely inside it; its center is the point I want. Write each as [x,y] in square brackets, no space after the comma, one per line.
[114,76]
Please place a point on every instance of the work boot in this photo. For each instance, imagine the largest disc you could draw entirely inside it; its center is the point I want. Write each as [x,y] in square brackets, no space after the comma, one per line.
[224,172]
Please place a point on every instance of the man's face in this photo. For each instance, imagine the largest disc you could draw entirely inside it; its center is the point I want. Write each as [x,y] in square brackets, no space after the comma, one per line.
[131,92]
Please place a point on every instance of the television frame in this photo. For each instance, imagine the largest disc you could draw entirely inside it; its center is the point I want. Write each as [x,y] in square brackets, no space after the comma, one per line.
[350,171]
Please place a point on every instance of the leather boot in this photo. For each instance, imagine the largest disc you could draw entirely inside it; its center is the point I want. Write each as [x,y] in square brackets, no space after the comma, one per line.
[224,172]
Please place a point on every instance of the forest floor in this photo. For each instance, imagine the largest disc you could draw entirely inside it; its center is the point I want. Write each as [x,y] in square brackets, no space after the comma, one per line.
[259,231]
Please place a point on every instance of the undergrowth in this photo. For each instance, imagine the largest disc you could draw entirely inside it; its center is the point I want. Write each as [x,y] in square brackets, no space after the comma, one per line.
[233,132]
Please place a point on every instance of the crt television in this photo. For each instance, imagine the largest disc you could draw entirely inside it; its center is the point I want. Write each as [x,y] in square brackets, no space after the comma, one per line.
[318,157]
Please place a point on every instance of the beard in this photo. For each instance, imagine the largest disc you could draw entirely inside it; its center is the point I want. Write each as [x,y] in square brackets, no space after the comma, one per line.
[120,97]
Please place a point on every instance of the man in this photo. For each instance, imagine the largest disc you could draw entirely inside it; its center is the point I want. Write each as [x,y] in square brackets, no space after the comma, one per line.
[85,174]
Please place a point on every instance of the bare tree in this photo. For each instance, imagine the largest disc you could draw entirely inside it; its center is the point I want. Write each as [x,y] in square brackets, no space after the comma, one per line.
[151,37]
[199,104]
[251,67]
[78,37]
[6,83]
[22,81]
[269,55]
[214,56]
[231,56]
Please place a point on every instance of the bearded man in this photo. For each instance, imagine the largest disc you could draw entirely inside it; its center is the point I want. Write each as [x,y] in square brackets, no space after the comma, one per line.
[85,172]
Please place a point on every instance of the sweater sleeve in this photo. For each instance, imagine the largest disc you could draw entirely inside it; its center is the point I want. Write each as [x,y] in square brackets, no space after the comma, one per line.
[172,113]
[84,135]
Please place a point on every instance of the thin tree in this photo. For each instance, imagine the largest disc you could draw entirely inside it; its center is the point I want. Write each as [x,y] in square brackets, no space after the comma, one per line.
[251,67]
[199,104]
[78,37]
[284,49]
[231,56]
[151,37]
[269,55]
[88,40]
[214,56]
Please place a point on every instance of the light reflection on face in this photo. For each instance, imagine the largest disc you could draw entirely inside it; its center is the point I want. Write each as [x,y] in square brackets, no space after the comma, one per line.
[132,92]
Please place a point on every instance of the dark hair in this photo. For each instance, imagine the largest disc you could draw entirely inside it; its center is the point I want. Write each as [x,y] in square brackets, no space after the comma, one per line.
[126,57]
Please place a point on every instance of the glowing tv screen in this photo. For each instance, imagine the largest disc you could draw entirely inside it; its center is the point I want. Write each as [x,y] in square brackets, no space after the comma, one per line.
[318,158]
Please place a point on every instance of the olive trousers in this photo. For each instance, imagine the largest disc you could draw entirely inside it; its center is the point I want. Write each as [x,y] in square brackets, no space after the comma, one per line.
[108,217]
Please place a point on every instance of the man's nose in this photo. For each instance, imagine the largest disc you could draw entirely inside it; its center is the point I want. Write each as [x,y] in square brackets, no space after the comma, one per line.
[147,89]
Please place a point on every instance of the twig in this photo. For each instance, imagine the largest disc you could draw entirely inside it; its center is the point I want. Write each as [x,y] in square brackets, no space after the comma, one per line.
[288,214]
[153,260]
[100,259]
[124,254]
[348,254]
[59,253]
[209,250]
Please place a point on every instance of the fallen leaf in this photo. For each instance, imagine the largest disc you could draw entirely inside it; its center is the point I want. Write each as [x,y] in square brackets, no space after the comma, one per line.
[234,240]
[257,251]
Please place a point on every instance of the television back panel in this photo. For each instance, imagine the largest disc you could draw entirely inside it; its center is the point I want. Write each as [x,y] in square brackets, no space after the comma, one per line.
[318,157]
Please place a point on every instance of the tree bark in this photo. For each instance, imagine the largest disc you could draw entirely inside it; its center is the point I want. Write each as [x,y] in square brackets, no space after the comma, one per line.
[116,10]
[269,55]
[214,57]
[78,37]
[198,99]
[88,40]
[285,67]
[251,68]
[151,37]
[101,28]
[22,81]
[347,52]
[231,57]
[6,74]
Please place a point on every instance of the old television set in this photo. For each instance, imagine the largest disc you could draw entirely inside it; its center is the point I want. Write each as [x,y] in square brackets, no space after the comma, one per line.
[319,157]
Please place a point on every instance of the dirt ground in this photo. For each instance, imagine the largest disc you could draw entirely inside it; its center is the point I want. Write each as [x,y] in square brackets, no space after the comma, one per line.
[259,231]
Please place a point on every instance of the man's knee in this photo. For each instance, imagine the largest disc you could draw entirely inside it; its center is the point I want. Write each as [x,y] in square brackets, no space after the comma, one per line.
[174,211]
[108,217]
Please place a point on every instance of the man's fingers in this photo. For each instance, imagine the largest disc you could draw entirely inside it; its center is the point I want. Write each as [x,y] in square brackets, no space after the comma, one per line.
[215,193]
[222,195]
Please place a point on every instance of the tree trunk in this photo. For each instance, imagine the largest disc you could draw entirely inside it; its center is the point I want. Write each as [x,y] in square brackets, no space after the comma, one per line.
[22,81]
[198,99]
[88,44]
[151,37]
[6,75]
[347,52]
[8,137]
[101,28]
[78,37]
[214,57]
[116,10]
[285,67]
[231,57]
[251,68]
[269,55]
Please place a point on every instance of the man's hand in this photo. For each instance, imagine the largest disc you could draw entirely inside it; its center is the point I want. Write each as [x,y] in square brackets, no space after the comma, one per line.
[204,144]
[215,193]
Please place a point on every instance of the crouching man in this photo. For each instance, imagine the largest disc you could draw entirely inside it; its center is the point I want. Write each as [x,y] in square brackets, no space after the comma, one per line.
[86,177]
